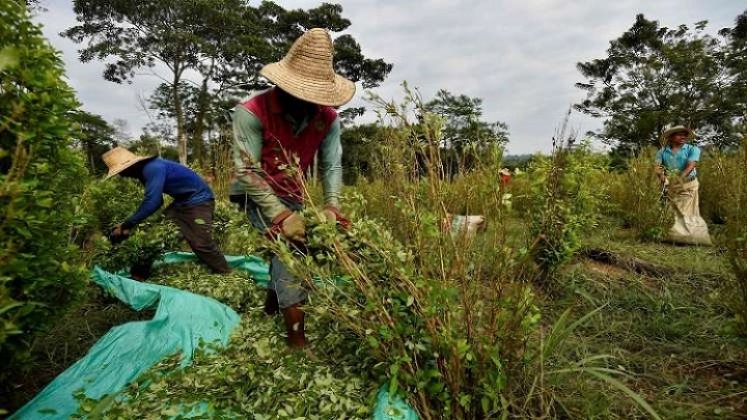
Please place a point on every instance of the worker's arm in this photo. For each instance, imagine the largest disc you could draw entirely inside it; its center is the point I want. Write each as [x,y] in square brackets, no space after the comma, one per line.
[692,160]
[247,150]
[154,174]
[689,168]
[330,155]
[659,168]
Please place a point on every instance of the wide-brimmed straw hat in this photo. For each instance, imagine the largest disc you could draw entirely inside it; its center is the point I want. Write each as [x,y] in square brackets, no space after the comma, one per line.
[306,71]
[677,129]
[118,159]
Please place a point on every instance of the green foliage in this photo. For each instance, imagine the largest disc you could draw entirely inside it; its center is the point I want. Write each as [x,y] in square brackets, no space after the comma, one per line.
[716,169]
[41,273]
[96,138]
[447,322]
[106,203]
[450,338]
[464,126]
[226,42]
[736,236]
[567,190]
[254,373]
[636,197]
[654,76]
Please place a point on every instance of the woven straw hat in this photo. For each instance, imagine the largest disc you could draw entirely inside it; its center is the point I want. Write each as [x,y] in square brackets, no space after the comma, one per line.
[118,159]
[306,71]
[676,129]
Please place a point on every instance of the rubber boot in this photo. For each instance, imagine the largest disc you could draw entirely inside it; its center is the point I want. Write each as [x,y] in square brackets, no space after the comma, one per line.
[271,303]
[293,316]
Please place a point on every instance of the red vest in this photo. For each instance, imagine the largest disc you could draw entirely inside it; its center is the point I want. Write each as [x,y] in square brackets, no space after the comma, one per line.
[285,156]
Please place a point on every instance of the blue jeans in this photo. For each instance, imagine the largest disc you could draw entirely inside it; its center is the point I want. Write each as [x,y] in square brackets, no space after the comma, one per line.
[289,289]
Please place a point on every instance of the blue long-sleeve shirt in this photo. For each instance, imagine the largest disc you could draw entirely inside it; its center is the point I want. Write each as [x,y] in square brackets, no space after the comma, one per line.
[166,177]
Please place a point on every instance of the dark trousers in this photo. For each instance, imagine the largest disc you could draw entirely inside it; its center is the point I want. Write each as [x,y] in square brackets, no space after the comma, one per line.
[195,221]
[289,289]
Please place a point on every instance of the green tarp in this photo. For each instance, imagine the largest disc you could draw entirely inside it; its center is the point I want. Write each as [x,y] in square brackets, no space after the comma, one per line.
[183,321]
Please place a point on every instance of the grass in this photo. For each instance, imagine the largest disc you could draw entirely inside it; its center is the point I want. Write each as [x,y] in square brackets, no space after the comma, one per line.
[672,334]
[65,342]
[671,337]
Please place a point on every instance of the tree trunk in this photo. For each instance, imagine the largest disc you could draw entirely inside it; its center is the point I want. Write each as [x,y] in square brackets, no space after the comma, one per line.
[181,138]
[198,143]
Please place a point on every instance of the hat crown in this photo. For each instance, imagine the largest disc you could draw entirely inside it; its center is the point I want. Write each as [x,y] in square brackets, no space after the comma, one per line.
[311,55]
[117,157]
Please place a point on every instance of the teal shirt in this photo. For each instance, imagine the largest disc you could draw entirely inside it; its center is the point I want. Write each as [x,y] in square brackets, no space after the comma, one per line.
[247,131]
[676,162]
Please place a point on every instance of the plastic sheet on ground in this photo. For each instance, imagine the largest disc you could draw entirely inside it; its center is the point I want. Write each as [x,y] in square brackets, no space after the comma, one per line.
[255,266]
[392,407]
[182,321]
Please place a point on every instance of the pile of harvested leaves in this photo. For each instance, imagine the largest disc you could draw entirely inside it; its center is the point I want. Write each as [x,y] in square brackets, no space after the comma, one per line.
[255,376]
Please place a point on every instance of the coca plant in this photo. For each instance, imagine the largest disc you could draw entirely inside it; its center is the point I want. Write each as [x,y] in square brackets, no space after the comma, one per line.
[443,315]
[41,272]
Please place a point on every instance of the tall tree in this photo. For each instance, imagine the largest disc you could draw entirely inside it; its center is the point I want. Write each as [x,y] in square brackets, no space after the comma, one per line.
[654,76]
[464,125]
[142,33]
[735,59]
[219,45]
[96,136]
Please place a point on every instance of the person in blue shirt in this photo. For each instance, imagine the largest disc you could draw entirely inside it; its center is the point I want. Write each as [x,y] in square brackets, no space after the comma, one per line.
[192,208]
[676,165]
[677,157]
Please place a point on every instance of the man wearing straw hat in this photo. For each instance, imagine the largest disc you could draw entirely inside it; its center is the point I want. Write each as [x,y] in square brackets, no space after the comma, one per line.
[276,136]
[675,167]
[192,208]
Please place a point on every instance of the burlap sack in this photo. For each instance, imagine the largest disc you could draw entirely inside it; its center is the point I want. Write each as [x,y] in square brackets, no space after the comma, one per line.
[689,227]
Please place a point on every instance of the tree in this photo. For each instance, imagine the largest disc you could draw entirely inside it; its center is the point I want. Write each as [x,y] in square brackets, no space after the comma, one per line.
[464,126]
[142,33]
[654,76]
[735,59]
[95,138]
[359,145]
[224,43]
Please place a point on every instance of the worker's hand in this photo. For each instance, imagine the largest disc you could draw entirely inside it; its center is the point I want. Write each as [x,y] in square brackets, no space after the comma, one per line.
[289,224]
[333,216]
[119,234]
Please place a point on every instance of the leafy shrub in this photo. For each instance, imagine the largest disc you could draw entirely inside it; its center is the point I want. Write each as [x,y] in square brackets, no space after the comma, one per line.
[715,170]
[444,317]
[636,198]
[41,273]
[567,190]
[736,235]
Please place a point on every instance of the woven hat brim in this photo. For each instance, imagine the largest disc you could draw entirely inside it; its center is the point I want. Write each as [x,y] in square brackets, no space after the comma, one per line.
[117,170]
[330,93]
[690,132]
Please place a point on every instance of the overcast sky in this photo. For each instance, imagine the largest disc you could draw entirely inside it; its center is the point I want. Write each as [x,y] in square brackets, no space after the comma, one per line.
[519,56]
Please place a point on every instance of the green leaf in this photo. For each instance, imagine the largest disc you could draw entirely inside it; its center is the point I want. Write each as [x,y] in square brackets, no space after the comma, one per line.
[9,57]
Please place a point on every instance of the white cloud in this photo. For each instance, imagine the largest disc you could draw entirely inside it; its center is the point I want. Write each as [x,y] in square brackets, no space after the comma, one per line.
[518,56]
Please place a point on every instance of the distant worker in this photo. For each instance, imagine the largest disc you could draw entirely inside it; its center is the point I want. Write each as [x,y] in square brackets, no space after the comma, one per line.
[276,136]
[192,208]
[676,165]
[505,175]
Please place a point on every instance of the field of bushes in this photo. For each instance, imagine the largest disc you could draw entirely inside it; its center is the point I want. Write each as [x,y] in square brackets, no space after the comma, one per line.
[570,304]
